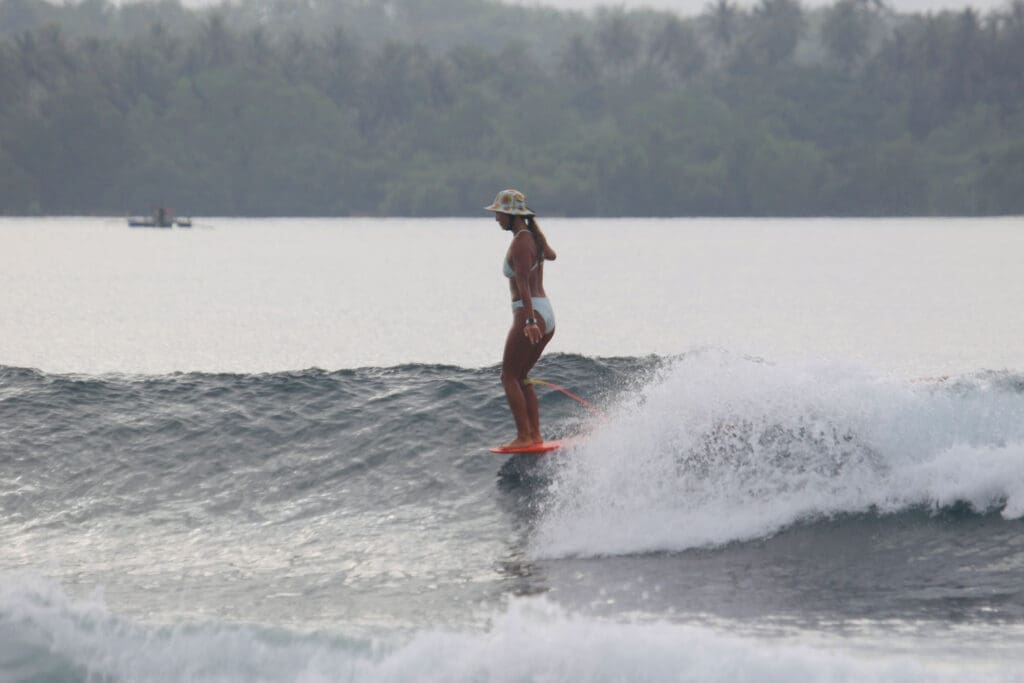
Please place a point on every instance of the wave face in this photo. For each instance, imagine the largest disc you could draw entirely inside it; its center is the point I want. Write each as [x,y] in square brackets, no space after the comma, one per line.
[716,449]
[78,449]
[700,450]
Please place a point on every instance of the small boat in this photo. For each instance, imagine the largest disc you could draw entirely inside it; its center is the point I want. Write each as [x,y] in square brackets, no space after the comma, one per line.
[161,218]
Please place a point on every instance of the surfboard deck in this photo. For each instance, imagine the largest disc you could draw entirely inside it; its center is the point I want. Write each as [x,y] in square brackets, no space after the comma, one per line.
[542,447]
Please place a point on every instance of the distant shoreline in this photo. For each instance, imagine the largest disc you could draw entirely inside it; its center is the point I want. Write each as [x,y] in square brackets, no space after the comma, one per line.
[385,109]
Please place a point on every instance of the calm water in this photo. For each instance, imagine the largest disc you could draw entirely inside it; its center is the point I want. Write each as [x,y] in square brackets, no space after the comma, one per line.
[240,295]
[255,451]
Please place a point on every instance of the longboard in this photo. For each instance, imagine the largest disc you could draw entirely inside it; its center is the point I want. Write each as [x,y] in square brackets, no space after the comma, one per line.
[536,448]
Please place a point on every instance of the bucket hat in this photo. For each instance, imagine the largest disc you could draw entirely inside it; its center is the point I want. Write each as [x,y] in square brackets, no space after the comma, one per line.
[512,202]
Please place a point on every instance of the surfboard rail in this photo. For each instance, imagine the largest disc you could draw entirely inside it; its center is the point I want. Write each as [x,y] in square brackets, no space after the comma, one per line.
[536,448]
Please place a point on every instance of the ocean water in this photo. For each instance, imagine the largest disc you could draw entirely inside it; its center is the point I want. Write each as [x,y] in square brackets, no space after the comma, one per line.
[256,451]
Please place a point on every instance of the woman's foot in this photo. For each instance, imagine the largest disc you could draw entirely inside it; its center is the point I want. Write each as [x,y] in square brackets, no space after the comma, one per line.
[522,442]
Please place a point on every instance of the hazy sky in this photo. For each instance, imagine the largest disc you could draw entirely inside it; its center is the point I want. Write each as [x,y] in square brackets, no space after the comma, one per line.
[695,6]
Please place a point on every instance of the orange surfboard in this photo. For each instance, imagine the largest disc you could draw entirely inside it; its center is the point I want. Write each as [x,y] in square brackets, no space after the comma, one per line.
[536,448]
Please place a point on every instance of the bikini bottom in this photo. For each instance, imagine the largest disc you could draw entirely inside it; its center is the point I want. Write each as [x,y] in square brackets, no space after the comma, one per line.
[542,307]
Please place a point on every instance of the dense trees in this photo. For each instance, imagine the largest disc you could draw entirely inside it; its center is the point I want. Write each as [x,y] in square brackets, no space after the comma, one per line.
[383,108]
[845,31]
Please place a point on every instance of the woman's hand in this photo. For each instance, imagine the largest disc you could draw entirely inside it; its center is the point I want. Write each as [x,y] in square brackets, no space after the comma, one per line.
[532,332]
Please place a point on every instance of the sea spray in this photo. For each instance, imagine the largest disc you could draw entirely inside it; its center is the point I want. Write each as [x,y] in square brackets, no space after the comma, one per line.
[719,449]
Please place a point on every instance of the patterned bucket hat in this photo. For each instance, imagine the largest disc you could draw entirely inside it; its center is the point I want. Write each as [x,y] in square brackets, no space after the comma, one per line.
[510,201]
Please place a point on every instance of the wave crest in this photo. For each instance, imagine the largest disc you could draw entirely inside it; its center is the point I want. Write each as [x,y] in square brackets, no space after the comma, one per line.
[718,449]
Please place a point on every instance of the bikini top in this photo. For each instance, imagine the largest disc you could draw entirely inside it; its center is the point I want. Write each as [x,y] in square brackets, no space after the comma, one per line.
[507,267]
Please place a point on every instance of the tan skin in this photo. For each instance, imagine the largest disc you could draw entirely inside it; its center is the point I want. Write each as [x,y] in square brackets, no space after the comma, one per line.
[524,342]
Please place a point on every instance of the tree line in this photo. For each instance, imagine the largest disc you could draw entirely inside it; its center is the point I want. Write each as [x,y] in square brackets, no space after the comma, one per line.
[354,108]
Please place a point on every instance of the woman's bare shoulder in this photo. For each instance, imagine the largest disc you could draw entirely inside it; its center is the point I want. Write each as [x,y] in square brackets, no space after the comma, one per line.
[523,245]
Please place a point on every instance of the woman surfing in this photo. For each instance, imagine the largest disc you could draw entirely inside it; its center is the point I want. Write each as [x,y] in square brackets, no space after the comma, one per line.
[533,318]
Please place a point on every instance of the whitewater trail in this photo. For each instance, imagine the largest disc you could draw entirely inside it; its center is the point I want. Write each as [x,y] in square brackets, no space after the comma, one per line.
[717,449]
[49,636]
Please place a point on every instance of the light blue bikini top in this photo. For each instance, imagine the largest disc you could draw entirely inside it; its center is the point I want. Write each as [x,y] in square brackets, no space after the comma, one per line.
[506,268]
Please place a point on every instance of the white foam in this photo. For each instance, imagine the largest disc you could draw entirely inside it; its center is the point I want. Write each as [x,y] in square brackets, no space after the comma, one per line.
[47,636]
[720,449]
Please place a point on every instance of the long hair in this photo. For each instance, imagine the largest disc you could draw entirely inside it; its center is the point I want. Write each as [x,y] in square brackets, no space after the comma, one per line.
[538,239]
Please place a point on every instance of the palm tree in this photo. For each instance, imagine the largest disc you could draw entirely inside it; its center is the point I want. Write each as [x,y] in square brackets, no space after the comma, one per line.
[578,61]
[778,25]
[674,46]
[724,19]
[845,31]
[617,40]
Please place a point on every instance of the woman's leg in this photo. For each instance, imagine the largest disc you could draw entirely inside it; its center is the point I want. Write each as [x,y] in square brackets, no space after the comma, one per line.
[532,406]
[519,357]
